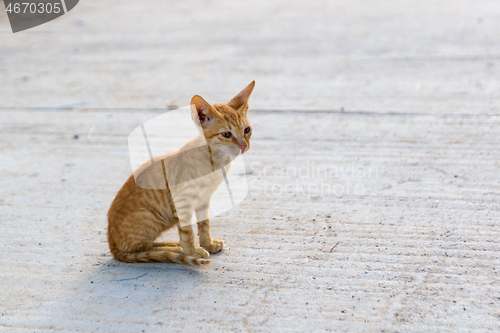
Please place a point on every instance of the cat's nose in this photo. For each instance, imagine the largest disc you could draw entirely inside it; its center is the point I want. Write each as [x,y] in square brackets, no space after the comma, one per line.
[243,148]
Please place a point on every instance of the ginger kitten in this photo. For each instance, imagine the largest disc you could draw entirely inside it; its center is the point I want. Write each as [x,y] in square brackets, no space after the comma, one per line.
[139,214]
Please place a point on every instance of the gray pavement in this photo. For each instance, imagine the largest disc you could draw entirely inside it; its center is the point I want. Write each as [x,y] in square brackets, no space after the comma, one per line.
[378,213]
[412,56]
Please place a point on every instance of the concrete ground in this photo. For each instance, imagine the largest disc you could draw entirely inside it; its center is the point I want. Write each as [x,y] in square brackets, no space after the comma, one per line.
[374,200]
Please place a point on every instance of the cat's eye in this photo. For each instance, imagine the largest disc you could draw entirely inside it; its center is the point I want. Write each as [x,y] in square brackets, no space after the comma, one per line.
[247,130]
[226,135]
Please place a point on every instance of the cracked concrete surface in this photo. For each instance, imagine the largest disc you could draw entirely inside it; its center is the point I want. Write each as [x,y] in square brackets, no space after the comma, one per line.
[380,217]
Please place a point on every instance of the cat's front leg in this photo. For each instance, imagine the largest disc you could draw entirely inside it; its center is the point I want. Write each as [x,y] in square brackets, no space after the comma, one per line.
[186,236]
[187,242]
[211,245]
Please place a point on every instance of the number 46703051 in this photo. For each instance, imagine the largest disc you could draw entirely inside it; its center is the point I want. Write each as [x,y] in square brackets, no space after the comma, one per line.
[31,7]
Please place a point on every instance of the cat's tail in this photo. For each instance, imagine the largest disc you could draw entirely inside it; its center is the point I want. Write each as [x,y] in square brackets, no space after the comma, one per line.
[159,256]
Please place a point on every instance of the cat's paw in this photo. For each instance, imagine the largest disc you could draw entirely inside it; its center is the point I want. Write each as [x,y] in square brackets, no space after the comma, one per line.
[201,253]
[175,249]
[216,246]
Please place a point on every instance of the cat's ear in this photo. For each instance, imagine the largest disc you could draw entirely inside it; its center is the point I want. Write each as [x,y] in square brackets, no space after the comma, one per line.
[202,112]
[240,102]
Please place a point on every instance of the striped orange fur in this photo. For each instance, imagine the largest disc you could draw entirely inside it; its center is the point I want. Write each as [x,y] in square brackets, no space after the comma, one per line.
[139,215]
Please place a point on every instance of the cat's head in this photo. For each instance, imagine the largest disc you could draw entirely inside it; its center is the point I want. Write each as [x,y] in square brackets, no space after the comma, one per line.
[225,126]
